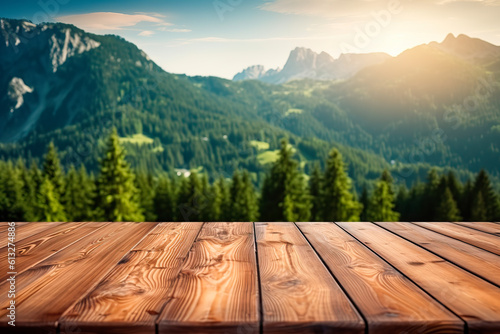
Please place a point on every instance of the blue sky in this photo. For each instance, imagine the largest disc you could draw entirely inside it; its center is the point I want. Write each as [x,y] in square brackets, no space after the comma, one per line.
[221,37]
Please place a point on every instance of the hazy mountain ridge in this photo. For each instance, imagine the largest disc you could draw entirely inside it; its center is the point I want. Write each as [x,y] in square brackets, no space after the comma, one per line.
[304,63]
[468,48]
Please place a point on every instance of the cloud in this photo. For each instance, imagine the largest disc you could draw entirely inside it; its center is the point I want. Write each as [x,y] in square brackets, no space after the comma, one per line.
[174,29]
[146,33]
[102,21]
[482,2]
[323,8]
[338,8]
[213,39]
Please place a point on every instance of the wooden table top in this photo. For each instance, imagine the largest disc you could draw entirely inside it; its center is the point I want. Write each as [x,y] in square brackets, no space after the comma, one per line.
[247,278]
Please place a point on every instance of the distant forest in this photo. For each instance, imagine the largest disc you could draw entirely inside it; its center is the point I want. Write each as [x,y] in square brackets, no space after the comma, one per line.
[117,193]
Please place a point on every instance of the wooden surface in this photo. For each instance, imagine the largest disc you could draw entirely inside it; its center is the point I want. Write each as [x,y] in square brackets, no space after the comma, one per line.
[476,260]
[217,289]
[476,301]
[388,300]
[134,292]
[239,278]
[298,293]
[38,247]
[477,238]
[493,228]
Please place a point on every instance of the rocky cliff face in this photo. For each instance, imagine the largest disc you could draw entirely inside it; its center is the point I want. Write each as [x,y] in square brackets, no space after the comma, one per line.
[33,78]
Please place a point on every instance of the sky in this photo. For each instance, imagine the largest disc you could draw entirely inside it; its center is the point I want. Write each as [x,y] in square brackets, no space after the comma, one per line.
[222,37]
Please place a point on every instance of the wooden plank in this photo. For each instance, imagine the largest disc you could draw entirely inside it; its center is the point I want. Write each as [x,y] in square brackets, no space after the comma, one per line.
[25,230]
[40,246]
[4,232]
[476,260]
[476,301]
[217,288]
[389,301]
[299,295]
[492,228]
[130,298]
[47,290]
[479,239]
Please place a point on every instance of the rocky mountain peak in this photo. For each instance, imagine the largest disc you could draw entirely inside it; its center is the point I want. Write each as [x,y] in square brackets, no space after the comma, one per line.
[57,42]
[304,63]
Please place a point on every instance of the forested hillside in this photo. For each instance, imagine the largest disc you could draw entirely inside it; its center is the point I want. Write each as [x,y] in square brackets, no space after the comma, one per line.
[116,193]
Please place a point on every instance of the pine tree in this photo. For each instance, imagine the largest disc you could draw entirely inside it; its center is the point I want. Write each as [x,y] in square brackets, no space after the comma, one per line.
[365,202]
[52,169]
[431,196]
[483,186]
[338,199]
[210,201]
[116,193]
[447,210]
[402,202]
[144,184]
[12,206]
[225,200]
[49,205]
[479,211]
[315,187]
[466,200]
[244,207]
[284,194]
[215,208]
[29,192]
[79,194]
[382,202]
[191,199]
[415,203]
[164,201]
[455,186]
[444,202]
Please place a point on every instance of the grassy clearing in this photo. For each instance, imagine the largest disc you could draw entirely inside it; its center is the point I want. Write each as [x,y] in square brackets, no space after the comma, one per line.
[268,157]
[138,139]
[260,145]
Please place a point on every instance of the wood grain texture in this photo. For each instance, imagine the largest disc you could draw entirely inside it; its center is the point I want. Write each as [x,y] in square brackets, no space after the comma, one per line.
[130,298]
[389,301]
[24,230]
[476,260]
[493,228]
[52,286]
[299,295]
[476,301]
[4,232]
[42,245]
[124,278]
[217,288]
[476,238]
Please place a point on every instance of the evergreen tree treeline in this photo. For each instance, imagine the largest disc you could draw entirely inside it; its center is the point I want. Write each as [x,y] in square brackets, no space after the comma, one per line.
[119,194]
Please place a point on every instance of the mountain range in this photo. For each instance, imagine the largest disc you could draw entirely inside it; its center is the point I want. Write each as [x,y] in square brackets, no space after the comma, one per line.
[304,63]
[433,106]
